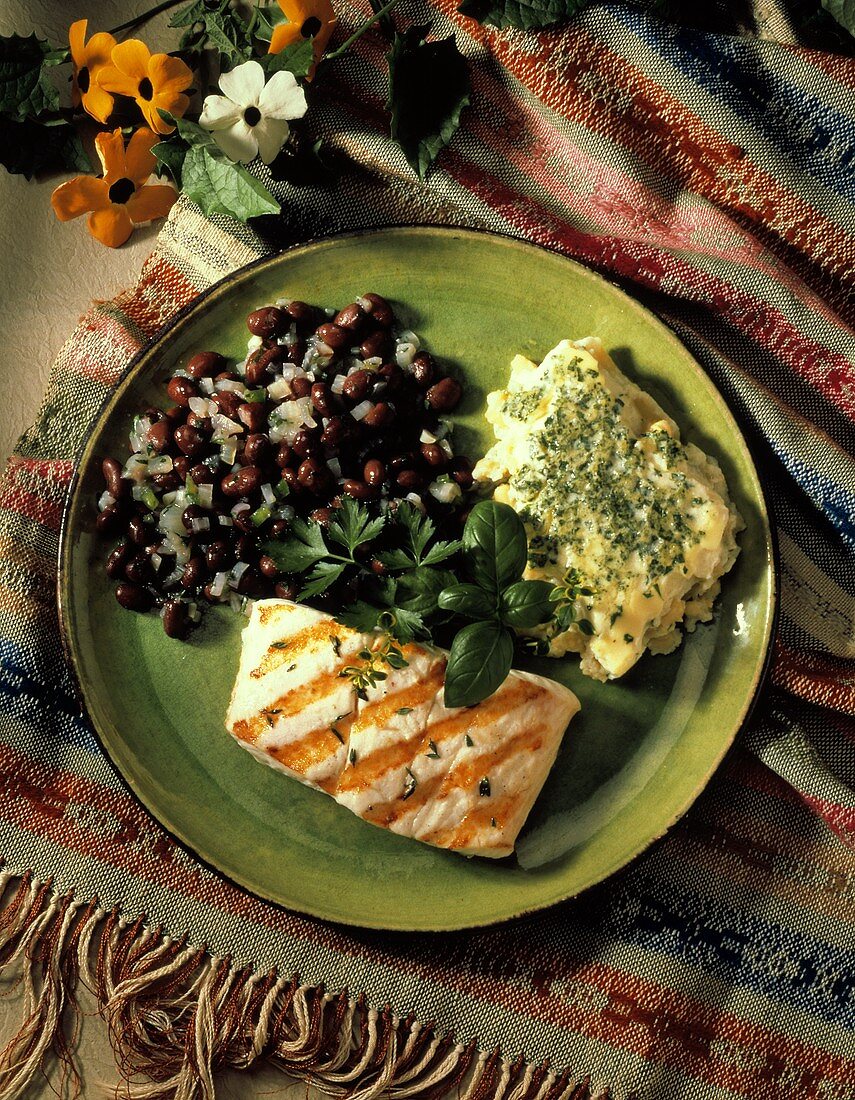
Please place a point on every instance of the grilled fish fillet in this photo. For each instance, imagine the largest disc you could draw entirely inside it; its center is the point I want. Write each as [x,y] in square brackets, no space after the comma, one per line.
[463,779]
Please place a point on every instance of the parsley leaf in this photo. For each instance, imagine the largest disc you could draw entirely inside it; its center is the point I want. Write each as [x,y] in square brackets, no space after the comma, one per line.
[324,574]
[420,530]
[428,89]
[352,525]
[304,549]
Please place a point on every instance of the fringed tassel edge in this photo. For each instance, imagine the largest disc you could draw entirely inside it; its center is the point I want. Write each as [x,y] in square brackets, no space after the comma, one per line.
[177,1015]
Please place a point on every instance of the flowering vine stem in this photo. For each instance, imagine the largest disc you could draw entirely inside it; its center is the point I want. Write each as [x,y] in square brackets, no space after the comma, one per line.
[144,17]
[376,17]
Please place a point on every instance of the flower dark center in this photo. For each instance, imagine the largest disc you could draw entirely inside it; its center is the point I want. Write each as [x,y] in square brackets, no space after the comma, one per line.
[121,190]
[83,79]
[145,89]
[252,116]
[311,27]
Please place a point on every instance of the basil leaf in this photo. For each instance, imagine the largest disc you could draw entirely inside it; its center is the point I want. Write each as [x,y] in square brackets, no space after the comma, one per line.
[428,89]
[25,86]
[297,58]
[478,664]
[527,604]
[220,186]
[495,543]
[523,14]
[28,148]
[843,11]
[469,600]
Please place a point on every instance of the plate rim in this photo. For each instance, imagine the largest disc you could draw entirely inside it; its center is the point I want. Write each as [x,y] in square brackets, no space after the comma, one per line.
[85,453]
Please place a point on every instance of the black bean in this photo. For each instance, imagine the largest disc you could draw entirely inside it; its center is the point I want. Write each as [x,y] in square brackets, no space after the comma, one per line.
[189,440]
[284,455]
[351,318]
[200,474]
[314,475]
[181,390]
[377,345]
[381,416]
[175,620]
[138,569]
[324,399]
[219,555]
[424,369]
[434,455]
[333,336]
[374,473]
[117,486]
[111,521]
[445,395]
[248,585]
[268,567]
[355,386]
[228,402]
[379,309]
[305,315]
[286,590]
[118,559]
[133,597]
[279,528]
[242,482]
[194,572]
[306,442]
[205,364]
[334,433]
[267,322]
[410,480]
[301,386]
[359,490]
[138,531]
[159,436]
[256,449]
[181,465]
[166,483]
[253,415]
[322,516]
[259,363]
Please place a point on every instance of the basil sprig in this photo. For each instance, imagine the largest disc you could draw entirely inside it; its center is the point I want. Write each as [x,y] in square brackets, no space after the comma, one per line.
[495,551]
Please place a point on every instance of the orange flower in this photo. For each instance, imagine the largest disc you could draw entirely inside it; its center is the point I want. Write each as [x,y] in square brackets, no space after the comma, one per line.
[87,60]
[119,199]
[313,19]
[155,81]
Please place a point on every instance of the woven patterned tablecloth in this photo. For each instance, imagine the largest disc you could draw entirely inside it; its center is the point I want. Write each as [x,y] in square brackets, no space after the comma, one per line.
[715,178]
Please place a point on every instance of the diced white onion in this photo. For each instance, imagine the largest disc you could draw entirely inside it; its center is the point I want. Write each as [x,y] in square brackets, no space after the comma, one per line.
[162,464]
[200,523]
[405,354]
[105,500]
[206,385]
[279,389]
[194,614]
[226,521]
[409,337]
[247,606]
[218,584]
[136,468]
[174,577]
[228,452]
[199,405]
[156,561]
[230,385]
[337,385]
[446,448]
[237,572]
[444,491]
[241,506]
[335,466]
[373,362]
[416,501]
[268,493]
[223,428]
[205,495]
[360,411]
[427,437]
[254,343]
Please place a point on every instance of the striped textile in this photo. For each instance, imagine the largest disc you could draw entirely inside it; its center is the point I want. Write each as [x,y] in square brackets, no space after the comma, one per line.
[714,178]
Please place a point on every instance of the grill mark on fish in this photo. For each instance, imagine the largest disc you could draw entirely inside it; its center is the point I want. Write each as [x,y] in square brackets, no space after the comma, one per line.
[467,774]
[289,704]
[265,614]
[278,653]
[475,825]
[400,753]
[309,752]
[379,712]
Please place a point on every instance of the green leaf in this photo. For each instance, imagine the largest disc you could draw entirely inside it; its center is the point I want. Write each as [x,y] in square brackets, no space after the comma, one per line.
[267,16]
[419,589]
[360,616]
[480,660]
[220,186]
[469,600]
[25,85]
[30,148]
[441,551]
[296,58]
[495,544]
[428,89]
[219,25]
[527,604]
[522,14]
[843,11]
[325,574]
[170,158]
[352,525]
[301,552]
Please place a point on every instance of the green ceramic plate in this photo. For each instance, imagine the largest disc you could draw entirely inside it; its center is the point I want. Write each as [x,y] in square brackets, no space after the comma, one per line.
[633,761]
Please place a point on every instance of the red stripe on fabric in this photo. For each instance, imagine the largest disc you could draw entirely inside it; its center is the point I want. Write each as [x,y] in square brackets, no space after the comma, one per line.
[601,1002]
[839,818]
[832,374]
[104,358]
[588,83]
[816,677]
[20,491]
[161,291]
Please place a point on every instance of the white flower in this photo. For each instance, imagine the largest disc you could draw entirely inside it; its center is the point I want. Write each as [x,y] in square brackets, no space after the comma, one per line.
[251,119]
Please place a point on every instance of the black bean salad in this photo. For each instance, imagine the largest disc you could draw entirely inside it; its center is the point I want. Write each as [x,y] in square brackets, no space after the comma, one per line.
[326,406]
